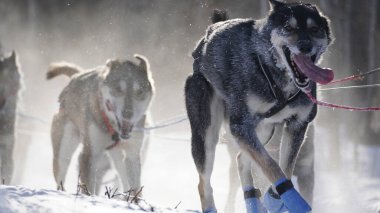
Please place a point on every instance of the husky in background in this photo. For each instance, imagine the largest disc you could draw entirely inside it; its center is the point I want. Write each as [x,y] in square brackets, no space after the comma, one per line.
[10,84]
[105,110]
[254,75]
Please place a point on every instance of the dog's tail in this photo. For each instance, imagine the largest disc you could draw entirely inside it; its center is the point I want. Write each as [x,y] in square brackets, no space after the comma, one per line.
[219,15]
[144,63]
[62,68]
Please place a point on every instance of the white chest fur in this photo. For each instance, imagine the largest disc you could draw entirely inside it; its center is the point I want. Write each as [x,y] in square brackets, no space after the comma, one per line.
[264,129]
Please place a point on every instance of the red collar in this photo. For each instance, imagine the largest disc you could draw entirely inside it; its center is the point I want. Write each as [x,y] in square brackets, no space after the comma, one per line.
[114,134]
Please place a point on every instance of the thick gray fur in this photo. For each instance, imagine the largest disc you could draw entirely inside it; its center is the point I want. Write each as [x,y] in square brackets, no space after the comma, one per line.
[228,85]
[10,84]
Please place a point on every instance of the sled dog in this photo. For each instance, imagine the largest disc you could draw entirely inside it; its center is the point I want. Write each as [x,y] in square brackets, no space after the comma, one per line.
[104,109]
[253,75]
[10,84]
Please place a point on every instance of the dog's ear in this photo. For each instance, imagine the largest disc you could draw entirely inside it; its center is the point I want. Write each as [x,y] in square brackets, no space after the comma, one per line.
[144,64]
[11,60]
[276,4]
[13,57]
[219,15]
[109,62]
[112,63]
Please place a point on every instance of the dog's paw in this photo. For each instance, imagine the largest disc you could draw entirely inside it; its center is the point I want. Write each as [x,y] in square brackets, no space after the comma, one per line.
[273,202]
[292,200]
[210,210]
[254,205]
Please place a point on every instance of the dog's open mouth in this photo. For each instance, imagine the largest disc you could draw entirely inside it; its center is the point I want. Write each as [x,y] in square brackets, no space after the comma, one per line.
[303,69]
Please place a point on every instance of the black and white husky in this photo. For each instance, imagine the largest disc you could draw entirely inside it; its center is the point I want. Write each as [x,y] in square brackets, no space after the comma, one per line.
[253,75]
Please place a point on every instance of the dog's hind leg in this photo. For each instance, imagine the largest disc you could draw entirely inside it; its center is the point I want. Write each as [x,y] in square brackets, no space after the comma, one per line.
[65,139]
[206,113]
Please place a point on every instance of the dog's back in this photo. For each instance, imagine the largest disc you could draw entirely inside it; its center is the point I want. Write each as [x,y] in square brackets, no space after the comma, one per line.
[80,94]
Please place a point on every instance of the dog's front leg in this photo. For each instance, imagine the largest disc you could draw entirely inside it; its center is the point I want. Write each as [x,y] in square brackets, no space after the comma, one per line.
[127,161]
[291,200]
[6,158]
[242,129]
[292,139]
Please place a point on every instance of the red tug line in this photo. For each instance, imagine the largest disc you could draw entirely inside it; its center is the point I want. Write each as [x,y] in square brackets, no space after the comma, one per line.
[360,76]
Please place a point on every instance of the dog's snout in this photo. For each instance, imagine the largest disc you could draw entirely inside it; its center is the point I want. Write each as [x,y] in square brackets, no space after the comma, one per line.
[305,46]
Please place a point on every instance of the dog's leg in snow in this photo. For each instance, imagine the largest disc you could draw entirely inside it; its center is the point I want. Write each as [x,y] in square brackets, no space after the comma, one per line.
[233,151]
[6,158]
[292,140]
[241,128]
[94,147]
[293,135]
[206,113]
[102,164]
[65,139]
[252,194]
[304,168]
[127,161]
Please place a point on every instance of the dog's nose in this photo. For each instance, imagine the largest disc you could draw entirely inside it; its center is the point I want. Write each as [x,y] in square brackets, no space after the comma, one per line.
[305,46]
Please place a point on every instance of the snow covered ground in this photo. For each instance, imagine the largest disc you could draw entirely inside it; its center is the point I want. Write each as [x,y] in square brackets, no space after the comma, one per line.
[170,180]
[21,199]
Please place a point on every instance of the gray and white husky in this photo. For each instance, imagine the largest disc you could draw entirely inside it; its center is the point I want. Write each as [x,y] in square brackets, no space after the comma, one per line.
[10,84]
[253,75]
[103,109]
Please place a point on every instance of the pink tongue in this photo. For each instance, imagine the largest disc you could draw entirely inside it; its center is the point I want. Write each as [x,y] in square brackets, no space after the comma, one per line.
[317,74]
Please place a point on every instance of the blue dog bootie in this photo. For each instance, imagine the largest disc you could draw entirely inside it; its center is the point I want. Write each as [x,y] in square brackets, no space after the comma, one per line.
[210,210]
[273,202]
[252,201]
[291,198]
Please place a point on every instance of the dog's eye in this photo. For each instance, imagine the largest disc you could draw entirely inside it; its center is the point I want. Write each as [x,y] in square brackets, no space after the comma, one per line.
[314,29]
[288,28]
[139,94]
[118,91]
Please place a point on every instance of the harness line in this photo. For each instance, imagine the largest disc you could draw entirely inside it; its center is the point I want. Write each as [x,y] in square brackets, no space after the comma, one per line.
[349,87]
[330,105]
[355,77]
[360,76]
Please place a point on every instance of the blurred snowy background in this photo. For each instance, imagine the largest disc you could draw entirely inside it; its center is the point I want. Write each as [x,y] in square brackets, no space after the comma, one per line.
[88,33]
